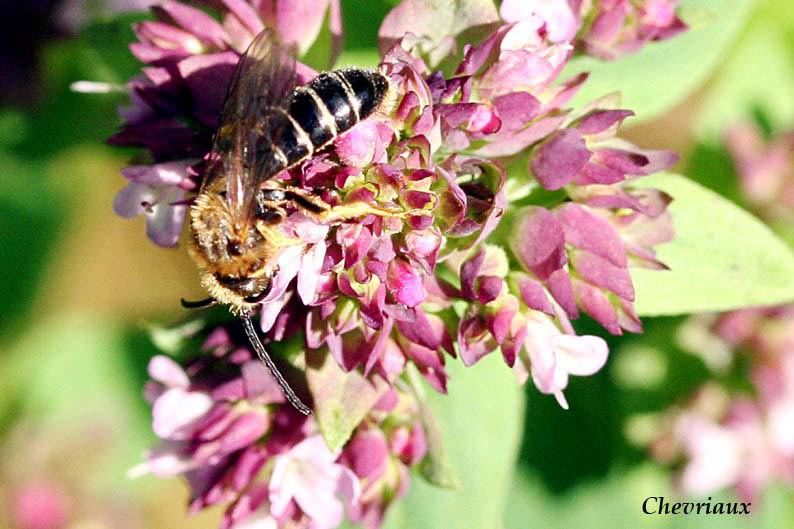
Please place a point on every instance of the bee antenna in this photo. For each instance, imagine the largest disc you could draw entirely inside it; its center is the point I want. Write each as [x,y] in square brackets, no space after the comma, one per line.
[262,354]
[199,303]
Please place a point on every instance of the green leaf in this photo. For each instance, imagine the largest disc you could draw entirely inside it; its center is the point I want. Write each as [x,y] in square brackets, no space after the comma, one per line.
[758,78]
[341,399]
[435,467]
[722,257]
[481,424]
[664,73]
[171,339]
[107,40]
[359,58]
[437,19]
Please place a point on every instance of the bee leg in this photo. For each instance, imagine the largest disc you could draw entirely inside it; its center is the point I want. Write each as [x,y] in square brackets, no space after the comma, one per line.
[362,209]
[275,239]
[322,211]
[270,214]
[358,210]
[305,200]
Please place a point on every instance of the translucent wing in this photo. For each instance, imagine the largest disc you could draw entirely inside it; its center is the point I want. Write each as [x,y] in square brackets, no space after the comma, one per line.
[260,85]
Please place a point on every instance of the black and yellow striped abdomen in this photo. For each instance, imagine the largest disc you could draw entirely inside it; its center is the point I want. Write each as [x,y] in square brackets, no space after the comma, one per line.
[329,105]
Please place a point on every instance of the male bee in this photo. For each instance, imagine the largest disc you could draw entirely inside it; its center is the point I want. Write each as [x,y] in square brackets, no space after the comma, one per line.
[266,126]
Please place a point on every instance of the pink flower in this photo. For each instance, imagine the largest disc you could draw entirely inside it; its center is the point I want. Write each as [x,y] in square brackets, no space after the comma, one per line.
[765,170]
[158,192]
[716,455]
[620,27]
[200,427]
[738,453]
[40,505]
[553,17]
[553,356]
[747,442]
[308,474]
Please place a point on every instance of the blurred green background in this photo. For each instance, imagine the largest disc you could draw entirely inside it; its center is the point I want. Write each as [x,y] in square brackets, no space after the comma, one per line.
[81,286]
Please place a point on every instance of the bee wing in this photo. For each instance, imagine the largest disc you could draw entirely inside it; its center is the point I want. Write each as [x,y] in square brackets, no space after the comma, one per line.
[261,83]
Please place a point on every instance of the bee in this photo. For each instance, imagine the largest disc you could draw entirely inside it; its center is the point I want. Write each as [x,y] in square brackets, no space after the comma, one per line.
[266,126]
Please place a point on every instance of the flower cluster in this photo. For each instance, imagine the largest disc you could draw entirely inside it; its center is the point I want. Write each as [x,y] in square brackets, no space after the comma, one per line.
[744,439]
[494,216]
[613,28]
[224,426]
[765,169]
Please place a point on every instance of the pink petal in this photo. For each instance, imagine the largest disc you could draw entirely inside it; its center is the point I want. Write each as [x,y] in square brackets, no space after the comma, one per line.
[358,146]
[368,454]
[163,461]
[500,320]
[192,20]
[259,384]
[177,410]
[516,109]
[300,22]
[167,36]
[516,70]
[271,311]
[560,22]
[715,455]
[244,431]
[165,370]
[164,222]
[541,355]
[472,117]
[601,273]
[539,241]
[405,283]
[161,174]
[206,77]
[246,14]
[557,160]
[130,201]
[595,303]
[587,231]
[608,24]
[600,120]
[427,19]
[309,273]
[581,355]
[474,340]
[596,173]
[561,288]
[534,295]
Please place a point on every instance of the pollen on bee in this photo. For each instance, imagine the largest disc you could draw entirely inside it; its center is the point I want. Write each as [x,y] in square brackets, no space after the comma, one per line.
[388,105]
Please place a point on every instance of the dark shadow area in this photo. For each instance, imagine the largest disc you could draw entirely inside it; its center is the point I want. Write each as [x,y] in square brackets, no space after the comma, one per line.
[568,448]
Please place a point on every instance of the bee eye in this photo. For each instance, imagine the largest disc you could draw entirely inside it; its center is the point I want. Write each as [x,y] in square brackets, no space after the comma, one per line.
[234,248]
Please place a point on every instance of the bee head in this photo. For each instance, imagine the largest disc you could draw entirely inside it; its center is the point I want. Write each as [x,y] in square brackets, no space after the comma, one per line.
[233,258]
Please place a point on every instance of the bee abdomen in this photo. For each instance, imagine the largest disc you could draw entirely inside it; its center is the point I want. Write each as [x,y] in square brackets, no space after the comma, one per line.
[329,105]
